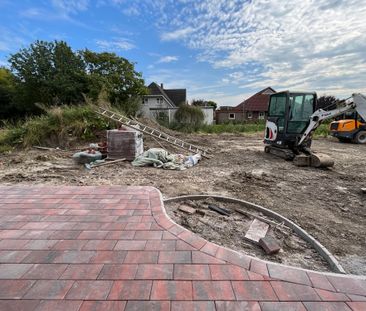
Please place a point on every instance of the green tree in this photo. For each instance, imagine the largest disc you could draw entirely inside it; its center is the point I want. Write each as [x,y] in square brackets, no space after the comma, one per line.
[7,91]
[204,103]
[49,73]
[117,77]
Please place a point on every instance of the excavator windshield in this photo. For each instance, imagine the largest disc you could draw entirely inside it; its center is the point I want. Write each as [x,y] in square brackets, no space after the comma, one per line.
[301,107]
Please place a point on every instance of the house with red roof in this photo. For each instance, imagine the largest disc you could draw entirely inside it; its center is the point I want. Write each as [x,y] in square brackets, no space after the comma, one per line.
[251,109]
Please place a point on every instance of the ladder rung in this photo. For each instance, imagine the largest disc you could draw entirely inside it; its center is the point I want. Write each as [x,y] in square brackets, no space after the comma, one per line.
[150,131]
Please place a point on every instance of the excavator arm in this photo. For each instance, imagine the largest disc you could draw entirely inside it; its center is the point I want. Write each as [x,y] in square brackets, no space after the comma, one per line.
[356,101]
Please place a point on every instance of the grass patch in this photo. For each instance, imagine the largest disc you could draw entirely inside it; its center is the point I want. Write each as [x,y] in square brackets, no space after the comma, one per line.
[57,127]
[233,128]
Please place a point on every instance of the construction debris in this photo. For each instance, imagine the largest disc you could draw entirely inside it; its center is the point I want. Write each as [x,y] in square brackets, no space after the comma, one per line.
[102,163]
[158,157]
[88,156]
[257,230]
[220,210]
[269,245]
[124,143]
[187,209]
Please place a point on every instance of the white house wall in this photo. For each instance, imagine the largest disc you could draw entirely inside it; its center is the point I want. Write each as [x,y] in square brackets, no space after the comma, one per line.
[152,102]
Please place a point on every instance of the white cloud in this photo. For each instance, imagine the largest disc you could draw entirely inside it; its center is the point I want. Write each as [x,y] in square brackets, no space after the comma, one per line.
[115,45]
[177,34]
[71,6]
[167,59]
[299,44]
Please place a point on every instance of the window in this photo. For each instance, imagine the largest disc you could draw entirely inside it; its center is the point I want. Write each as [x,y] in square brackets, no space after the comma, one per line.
[231,116]
[159,100]
[261,115]
[301,108]
[249,115]
[146,100]
[277,106]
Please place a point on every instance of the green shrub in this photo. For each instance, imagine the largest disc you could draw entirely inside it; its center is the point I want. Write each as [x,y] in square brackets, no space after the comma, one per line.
[56,127]
[188,118]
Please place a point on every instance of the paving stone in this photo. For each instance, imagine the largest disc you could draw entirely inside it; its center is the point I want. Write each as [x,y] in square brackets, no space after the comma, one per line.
[282,306]
[130,245]
[18,305]
[45,271]
[13,271]
[193,306]
[141,257]
[130,290]
[59,305]
[320,281]
[257,230]
[102,305]
[348,285]
[13,256]
[70,245]
[238,306]
[288,274]
[270,245]
[187,209]
[212,290]
[228,272]
[326,295]
[146,305]
[103,245]
[326,306]
[357,306]
[82,272]
[155,271]
[175,257]
[171,290]
[49,289]
[191,272]
[14,289]
[118,272]
[254,290]
[89,290]
[148,235]
[233,257]
[199,257]
[161,245]
[108,257]
[294,292]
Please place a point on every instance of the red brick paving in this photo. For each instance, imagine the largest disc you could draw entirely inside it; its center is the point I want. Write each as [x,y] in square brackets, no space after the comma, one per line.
[114,248]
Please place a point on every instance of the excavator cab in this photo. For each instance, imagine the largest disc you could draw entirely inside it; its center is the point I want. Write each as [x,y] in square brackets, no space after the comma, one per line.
[288,117]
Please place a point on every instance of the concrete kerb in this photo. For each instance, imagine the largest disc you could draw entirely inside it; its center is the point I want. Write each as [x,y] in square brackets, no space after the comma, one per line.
[322,250]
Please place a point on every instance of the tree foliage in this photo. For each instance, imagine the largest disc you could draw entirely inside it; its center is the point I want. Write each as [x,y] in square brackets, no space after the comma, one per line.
[204,103]
[52,74]
[327,102]
[7,92]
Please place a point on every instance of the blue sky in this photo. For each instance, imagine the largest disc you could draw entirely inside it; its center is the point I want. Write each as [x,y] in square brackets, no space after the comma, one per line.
[221,50]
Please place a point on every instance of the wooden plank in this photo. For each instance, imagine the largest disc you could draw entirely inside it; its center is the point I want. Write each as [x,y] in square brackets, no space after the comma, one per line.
[257,230]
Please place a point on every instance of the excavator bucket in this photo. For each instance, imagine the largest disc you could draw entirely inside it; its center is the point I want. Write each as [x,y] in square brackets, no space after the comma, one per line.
[360,101]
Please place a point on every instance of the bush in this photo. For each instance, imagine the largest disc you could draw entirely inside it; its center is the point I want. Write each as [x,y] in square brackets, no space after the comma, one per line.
[188,118]
[56,127]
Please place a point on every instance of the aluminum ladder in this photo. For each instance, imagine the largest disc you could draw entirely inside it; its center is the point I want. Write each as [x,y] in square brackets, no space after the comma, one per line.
[150,131]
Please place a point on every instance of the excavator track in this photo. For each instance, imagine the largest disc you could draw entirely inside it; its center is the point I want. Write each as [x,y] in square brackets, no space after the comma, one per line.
[318,160]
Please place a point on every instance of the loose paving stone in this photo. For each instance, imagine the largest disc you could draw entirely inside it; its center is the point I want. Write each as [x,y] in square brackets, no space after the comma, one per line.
[113,248]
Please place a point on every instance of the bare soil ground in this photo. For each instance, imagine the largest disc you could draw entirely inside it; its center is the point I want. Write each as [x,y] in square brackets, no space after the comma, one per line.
[328,203]
[229,231]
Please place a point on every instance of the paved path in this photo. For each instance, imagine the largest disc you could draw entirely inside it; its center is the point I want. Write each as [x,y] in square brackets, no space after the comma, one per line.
[114,248]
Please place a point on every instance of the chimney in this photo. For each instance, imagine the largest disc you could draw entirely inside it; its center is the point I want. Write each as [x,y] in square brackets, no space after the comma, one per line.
[162,85]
